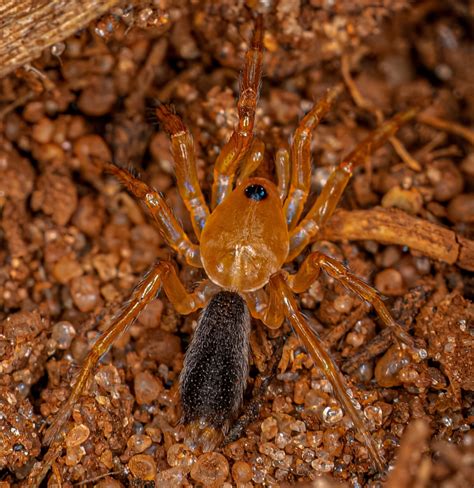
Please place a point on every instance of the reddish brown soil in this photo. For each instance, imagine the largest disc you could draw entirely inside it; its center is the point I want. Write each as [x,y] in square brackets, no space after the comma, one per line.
[73,244]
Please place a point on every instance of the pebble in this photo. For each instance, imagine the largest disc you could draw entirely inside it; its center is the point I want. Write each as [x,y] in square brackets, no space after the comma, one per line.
[63,333]
[43,130]
[211,469]
[77,435]
[89,216]
[389,365]
[170,478]
[108,483]
[409,200]
[461,208]
[343,303]
[179,455]
[332,414]
[147,387]
[74,455]
[269,428]
[242,472]
[142,466]
[66,269]
[389,282]
[446,179]
[138,443]
[98,99]
[85,293]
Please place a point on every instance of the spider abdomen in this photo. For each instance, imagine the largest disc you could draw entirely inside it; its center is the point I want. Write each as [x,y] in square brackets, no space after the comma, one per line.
[215,369]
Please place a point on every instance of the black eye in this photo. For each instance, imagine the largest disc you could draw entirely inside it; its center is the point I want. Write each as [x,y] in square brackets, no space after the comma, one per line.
[256,192]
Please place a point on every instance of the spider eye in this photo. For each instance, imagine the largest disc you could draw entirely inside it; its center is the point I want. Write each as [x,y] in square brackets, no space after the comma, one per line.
[256,192]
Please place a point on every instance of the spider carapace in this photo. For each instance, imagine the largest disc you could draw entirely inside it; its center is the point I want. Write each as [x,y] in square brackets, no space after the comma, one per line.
[251,229]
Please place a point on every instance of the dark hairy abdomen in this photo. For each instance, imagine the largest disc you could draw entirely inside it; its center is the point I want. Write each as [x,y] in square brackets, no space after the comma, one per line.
[216,365]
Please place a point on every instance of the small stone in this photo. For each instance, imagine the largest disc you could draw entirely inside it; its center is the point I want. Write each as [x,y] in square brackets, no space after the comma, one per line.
[66,269]
[332,414]
[85,293]
[409,200]
[242,472]
[63,333]
[89,216]
[74,455]
[269,428]
[170,478]
[461,208]
[150,317]
[108,483]
[106,458]
[107,378]
[343,303]
[147,387]
[389,366]
[179,455]
[138,443]
[389,282]
[106,266]
[77,435]
[142,466]
[43,131]
[211,469]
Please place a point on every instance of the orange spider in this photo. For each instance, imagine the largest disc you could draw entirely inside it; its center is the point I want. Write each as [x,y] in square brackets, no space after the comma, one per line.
[252,229]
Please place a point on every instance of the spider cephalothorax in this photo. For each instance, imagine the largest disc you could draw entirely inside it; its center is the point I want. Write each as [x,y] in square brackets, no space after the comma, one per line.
[245,237]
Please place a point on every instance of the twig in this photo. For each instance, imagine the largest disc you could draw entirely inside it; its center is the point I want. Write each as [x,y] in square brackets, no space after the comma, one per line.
[392,226]
[29,27]
[448,126]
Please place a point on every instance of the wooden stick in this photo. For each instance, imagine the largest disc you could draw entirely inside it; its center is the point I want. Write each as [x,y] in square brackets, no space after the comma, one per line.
[29,26]
[397,227]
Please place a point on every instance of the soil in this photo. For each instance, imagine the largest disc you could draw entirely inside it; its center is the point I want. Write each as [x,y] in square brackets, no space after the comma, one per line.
[74,243]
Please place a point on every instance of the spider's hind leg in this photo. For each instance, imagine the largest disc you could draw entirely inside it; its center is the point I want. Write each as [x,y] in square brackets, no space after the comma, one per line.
[324,362]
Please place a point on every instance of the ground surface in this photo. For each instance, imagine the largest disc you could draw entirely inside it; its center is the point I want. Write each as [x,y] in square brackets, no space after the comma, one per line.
[73,243]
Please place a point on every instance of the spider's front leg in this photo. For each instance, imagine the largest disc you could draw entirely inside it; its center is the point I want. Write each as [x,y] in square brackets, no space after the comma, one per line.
[182,148]
[236,148]
[331,193]
[301,157]
[323,361]
[169,228]
[163,275]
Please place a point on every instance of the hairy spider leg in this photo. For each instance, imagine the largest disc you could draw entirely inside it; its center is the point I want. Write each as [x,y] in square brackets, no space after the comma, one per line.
[330,195]
[162,274]
[182,148]
[252,160]
[301,157]
[168,226]
[236,148]
[282,167]
[324,362]
[309,272]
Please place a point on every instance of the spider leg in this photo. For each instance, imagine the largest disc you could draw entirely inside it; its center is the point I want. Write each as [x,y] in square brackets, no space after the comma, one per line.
[182,148]
[301,157]
[331,193]
[168,226]
[309,272]
[252,160]
[235,149]
[163,275]
[282,166]
[324,362]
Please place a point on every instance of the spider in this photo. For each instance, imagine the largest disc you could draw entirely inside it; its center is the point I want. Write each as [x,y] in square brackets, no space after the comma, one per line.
[251,229]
